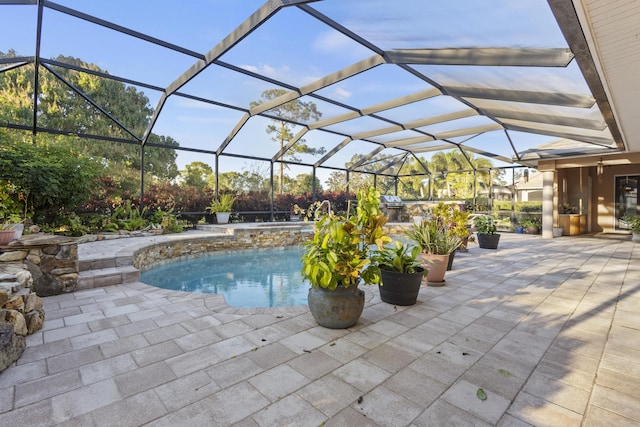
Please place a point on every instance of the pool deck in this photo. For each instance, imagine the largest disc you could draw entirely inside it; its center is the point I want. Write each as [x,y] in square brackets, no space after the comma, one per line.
[549,329]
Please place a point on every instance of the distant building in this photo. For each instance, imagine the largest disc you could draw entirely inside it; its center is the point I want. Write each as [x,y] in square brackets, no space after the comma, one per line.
[529,189]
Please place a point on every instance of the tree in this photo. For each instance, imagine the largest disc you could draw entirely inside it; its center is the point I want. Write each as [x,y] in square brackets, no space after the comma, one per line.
[196,174]
[61,108]
[303,183]
[444,166]
[240,182]
[281,127]
[337,181]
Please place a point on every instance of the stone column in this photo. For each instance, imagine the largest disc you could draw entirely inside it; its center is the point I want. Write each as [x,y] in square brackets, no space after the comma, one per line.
[547,204]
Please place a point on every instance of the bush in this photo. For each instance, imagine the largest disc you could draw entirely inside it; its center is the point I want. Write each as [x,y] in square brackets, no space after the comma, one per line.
[528,207]
[49,177]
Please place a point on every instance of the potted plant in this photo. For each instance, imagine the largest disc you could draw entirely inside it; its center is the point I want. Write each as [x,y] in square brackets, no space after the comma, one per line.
[338,258]
[558,231]
[436,243]
[305,214]
[11,228]
[7,233]
[488,237]
[222,207]
[401,273]
[531,225]
[634,225]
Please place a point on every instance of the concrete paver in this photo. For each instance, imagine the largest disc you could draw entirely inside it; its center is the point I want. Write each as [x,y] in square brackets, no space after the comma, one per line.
[549,329]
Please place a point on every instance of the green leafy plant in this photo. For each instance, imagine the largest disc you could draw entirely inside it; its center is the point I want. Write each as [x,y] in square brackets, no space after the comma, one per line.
[400,258]
[433,237]
[126,217]
[309,213]
[485,225]
[171,224]
[633,221]
[454,220]
[530,221]
[340,252]
[224,203]
[69,224]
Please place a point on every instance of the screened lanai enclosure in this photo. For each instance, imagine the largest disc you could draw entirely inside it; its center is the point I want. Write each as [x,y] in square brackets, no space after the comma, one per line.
[436,100]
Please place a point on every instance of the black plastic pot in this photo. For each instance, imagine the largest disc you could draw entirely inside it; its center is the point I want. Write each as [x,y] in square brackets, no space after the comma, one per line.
[488,241]
[400,288]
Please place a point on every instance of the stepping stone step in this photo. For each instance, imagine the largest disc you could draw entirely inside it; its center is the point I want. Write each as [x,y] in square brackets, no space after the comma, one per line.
[107,276]
[102,263]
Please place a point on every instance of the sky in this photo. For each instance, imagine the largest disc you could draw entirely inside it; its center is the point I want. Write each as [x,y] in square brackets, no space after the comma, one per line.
[297,49]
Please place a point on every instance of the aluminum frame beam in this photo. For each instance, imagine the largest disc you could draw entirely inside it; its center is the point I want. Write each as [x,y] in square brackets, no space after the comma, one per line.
[546,119]
[596,140]
[328,80]
[529,97]
[526,57]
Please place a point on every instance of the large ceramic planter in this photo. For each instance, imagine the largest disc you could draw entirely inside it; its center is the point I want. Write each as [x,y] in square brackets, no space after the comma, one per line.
[222,217]
[635,237]
[488,241]
[400,288]
[337,309]
[437,266]
[557,231]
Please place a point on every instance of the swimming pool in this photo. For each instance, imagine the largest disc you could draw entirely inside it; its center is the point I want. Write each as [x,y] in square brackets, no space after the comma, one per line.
[266,278]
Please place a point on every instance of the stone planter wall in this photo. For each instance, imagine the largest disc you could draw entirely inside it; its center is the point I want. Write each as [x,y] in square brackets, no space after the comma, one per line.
[34,266]
[52,261]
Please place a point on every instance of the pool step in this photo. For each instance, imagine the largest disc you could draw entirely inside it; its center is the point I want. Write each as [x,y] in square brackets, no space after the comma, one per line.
[89,279]
[101,263]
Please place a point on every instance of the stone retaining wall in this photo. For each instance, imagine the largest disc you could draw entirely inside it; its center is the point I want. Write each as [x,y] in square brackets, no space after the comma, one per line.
[21,309]
[253,238]
[241,239]
[52,261]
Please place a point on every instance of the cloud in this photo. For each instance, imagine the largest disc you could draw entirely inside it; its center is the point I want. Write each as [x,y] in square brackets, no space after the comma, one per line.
[205,120]
[340,93]
[198,105]
[331,41]
[282,73]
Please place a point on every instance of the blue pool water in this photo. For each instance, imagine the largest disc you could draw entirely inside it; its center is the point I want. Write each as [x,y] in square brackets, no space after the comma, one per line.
[269,278]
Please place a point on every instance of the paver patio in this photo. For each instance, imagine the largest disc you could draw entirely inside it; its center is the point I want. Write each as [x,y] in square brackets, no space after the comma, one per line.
[548,328]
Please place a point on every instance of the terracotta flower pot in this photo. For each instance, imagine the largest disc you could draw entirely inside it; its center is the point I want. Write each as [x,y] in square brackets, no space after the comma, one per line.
[6,236]
[437,266]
